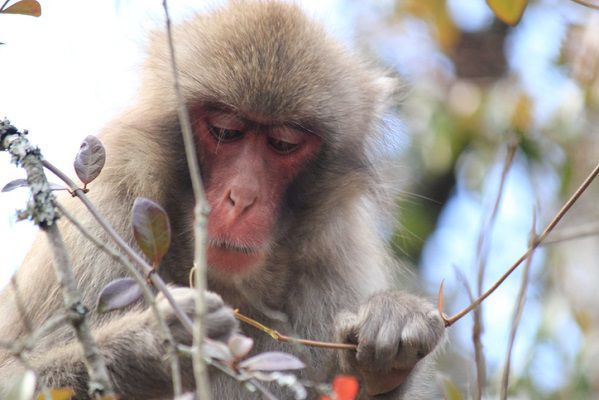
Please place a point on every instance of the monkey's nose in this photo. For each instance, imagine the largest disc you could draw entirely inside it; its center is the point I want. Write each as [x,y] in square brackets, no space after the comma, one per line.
[241,200]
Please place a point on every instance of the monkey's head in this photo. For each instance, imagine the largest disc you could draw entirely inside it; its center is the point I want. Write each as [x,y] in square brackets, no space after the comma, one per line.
[281,115]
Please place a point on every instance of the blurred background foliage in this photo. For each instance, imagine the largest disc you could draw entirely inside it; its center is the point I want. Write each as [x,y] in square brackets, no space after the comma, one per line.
[475,84]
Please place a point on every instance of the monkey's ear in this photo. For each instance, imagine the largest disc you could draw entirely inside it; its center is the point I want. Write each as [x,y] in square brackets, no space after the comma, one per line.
[388,91]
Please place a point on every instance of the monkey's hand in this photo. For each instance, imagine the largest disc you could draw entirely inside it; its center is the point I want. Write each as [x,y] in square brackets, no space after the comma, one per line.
[219,320]
[393,331]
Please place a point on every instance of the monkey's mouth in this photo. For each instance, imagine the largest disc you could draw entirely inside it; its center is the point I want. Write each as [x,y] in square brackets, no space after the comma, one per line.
[228,246]
[233,258]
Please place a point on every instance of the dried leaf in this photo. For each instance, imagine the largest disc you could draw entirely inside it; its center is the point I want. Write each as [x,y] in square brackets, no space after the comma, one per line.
[151,229]
[118,294]
[59,394]
[217,350]
[240,345]
[509,11]
[272,361]
[90,159]
[24,7]
[12,185]
[23,388]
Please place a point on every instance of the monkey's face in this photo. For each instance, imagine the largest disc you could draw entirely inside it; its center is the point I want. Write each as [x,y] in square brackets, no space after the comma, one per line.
[247,168]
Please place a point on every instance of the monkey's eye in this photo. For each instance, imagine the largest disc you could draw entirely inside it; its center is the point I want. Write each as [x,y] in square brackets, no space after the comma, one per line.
[223,135]
[281,146]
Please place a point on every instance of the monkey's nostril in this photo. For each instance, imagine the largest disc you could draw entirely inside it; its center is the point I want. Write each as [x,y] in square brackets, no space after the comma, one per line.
[230,198]
[241,199]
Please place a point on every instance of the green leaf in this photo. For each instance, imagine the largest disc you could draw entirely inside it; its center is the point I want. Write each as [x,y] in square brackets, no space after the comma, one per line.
[509,11]
[24,7]
[23,388]
[151,228]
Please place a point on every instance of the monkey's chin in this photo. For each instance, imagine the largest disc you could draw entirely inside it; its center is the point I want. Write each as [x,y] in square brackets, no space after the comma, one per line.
[233,262]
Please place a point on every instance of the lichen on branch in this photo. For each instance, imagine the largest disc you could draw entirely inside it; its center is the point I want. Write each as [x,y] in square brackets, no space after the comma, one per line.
[41,206]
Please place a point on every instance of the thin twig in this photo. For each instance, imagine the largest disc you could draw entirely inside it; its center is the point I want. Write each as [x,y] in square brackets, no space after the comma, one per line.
[482,252]
[147,293]
[99,382]
[20,306]
[276,335]
[556,219]
[201,211]
[579,232]
[587,3]
[288,339]
[518,308]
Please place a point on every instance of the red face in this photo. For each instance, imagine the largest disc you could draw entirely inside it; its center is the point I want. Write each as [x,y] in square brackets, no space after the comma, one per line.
[249,166]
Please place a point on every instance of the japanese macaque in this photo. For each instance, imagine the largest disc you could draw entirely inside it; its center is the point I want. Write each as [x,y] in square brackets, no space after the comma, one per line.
[285,121]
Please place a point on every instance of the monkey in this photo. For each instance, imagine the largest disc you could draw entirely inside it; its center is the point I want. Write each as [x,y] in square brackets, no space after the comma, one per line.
[284,120]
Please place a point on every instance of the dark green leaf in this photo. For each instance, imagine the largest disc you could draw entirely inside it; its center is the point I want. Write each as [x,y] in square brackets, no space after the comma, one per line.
[151,229]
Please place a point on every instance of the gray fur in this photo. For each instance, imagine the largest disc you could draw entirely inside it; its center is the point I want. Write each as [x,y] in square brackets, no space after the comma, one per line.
[329,271]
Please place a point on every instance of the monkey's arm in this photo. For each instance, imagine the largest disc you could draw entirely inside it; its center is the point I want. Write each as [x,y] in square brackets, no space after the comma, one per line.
[131,347]
[395,332]
[134,350]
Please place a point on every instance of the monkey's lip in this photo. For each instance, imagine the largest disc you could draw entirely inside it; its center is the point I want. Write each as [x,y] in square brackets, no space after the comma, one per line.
[229,246]
[233,258]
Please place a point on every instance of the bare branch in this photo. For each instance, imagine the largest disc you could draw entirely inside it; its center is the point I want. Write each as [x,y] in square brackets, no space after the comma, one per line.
[41,209]
[288,339]
[482,253]
[201,211]
[148,296]
[587,3]
[556,219]
[579,232]
[518,308]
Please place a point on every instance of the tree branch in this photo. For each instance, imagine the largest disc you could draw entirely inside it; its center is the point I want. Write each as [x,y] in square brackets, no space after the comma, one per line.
[148,296]
[556,219]
[41,209]
[201,211]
